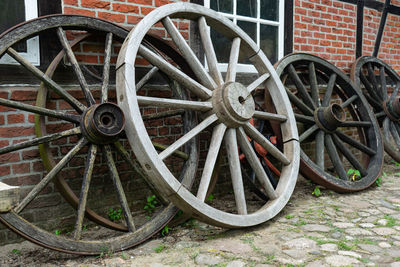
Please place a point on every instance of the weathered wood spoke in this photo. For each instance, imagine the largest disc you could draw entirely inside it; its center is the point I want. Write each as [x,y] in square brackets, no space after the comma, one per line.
[106,68]
[175,73]
[233,60]
[255,163]
[369,87]
[269,116]
[40,140]
[356,144]
[329,90]
[356,124]
[215,144]
[395,133]
[349,156]
[265,143]
[260,80]
[349,101]
[380,114]
[46,180]
[209,51]
[320,149]
[174,103]
[313,84]
[146,78]
[299,104]
[188,54]
[39,110]
[374,82]
[383,82]
[78,106]
[118,186]
[304,119]
[163,114]
[192,133]
[235,170]
[308,132]
[75,66]
[85,190]
[301,88]
[334,156]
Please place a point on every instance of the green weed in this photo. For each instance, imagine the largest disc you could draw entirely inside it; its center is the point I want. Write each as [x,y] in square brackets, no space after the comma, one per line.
[378,182]
[114,215]
[150,204]
[355,174]
[16,251]
[316,192]
[160,248]
[165,230]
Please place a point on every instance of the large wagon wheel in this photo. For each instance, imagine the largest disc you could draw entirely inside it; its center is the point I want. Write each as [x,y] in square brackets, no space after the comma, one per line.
[97,125]
[334,114]
[380,85]
[225,107]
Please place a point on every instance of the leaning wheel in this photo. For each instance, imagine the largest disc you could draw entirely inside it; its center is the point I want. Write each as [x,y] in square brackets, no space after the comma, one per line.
[225,107]
[336,124]
[380,85]
[100,147]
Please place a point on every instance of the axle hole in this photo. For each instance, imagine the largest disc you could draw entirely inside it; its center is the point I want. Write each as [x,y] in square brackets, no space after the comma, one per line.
[241,99]
[338,112]
[107,119]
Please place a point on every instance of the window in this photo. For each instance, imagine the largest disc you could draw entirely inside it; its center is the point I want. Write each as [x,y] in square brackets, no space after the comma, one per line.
[262,20]
[13,12]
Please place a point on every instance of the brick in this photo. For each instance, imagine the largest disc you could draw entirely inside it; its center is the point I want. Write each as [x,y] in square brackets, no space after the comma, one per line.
[146,10]
[141,2]
[78,11]
[95,4]
[15,118]
[161,2]
[4,170]
[9,132]
[125,8]
[20,168]
[112,17]
[23,95]
[2,121]
[71,2]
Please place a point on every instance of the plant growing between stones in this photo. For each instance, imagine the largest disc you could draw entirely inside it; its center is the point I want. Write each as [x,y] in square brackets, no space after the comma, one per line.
[160,248]
[316,192]
[16,251]
[151,204]
[354,174]
[165,230]
[114,214]
[378,182]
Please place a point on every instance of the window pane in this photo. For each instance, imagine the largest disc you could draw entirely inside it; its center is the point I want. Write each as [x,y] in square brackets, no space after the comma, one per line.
[269,9]
[251,29]
[247,8]
[12,12]
[225,6]
[269,41]
[221,46]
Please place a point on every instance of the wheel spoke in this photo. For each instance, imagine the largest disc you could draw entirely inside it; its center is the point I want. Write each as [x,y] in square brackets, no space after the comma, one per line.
[209,51]
[40,140]
[373,80]
[253,86]
[118,186]
[349,156]
[354,143]
[308,132]
[334,156]
[163,114]
[380,114]
[301,88]
[146,78]
[367,85]
[255,164]
[386,129]
[299,104]
[75,66]
[304,119]
[39,110]
[192,133]
[375,104]
[356,124]
[395,92]
[46,180]
[106,68]
[235,170]
[329,90]
[349,101]
[78,106]
[175,73]
[265,143]
[269,116]
[188,54]
[85,190]
[174,103]
[233,60]
[383,83]
[395,134]
[319,149]
[313,84]
[215,145]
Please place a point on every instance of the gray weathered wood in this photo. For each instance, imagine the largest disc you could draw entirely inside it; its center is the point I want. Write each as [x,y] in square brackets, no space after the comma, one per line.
[260,80]
[233,60]
[329,90]
[9,197]
[269,116]
[174,103]
[106,68]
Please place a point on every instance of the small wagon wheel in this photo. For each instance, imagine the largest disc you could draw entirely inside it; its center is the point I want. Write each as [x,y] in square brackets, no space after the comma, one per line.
[225,107]
[331,112]
[380,85]
[96,125]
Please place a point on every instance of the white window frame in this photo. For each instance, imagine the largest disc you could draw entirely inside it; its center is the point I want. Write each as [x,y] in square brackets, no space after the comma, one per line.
[33,52]
[258,20]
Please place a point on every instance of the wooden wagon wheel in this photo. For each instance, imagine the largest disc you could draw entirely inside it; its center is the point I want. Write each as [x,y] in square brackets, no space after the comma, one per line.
[97,125]
[225,107]
[334,114]
[380,85]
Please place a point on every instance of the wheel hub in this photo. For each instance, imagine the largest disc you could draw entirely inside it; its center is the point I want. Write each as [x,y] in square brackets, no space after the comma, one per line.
[102,123]
[233,104]
[392,109]
[329,118]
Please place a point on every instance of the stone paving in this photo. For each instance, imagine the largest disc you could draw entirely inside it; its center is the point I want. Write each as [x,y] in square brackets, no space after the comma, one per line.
[358,229]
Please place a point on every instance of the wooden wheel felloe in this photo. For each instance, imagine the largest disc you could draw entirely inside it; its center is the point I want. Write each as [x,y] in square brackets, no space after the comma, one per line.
[92,123]
[380,85]
[336,124]
[225,108]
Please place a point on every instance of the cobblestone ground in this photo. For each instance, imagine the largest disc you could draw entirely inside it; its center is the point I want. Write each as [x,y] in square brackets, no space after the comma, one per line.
[359,229]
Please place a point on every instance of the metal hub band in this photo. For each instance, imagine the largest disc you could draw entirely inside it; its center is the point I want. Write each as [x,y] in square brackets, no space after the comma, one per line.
[329,118]
[392,109]
[102,123]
